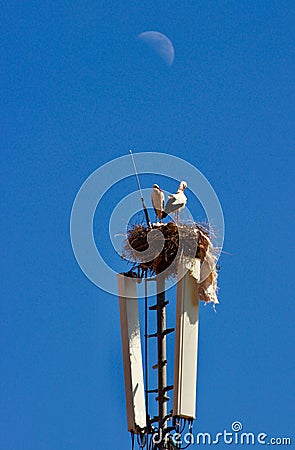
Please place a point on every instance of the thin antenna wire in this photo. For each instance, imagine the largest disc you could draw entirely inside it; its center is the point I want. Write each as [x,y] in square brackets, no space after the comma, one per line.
[136,174]
[141,194]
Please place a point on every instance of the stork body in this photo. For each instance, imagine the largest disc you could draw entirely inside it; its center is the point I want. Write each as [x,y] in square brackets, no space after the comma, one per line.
[176,202]
[158,200]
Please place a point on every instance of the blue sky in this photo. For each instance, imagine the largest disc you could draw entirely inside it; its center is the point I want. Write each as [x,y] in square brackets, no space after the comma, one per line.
[78,89]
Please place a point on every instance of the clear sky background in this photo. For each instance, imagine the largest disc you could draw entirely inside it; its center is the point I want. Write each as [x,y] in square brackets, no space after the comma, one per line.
[77,90]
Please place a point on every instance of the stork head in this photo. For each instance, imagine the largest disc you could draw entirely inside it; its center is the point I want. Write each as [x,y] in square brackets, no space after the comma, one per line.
[156,187]
[182,185]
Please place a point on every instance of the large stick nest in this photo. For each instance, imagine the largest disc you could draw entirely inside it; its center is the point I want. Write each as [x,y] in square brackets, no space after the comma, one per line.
[164,246]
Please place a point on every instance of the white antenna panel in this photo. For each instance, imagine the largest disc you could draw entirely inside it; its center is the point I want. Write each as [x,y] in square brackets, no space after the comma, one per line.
[132,357]
[186,342]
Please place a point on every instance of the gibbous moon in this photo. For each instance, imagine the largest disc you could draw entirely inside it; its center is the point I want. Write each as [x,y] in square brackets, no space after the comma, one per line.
[160,44]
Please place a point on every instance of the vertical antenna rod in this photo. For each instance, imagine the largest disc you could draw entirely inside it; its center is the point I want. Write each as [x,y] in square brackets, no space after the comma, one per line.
[141,194]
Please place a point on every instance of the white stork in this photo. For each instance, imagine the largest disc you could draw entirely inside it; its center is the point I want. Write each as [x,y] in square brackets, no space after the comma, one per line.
[158,200]
[176,201]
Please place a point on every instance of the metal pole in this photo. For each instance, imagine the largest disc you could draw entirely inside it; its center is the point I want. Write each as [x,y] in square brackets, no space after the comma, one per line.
[148,222]
[146,353]
[162,361]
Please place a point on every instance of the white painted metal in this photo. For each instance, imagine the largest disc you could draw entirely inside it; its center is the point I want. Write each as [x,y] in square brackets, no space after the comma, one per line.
[186,342]
[132,357]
